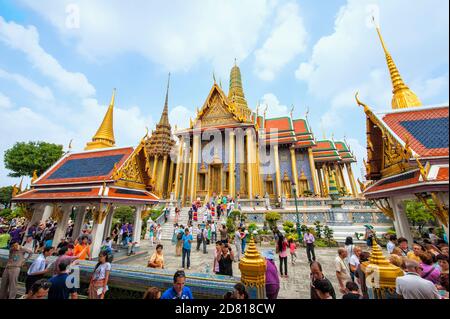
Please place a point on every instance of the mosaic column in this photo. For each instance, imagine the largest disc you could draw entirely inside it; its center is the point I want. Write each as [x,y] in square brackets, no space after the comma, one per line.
[312,167]
[48,210]
[232,164]
[277,170]
[178,169]
[294,170]
[319,174]
[99,216]
[194,165]
[249,164]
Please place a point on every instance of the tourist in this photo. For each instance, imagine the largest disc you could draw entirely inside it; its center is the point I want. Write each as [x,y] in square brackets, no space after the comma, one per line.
[39,290]
[352,291]
[369,235]
[292,250]
[152,293]
[166,214]
[350,247]
[115,234]
[187,241]
[29,244]
[158,233]
[239,291]
[238,243]
[226,261]
[391,244]
[199,235]
[317,274]
[224,234]
[157,259]
[83,249]
[432,235]
[204,238]
[361,275]
[396,260]
[213,231]
[61,244]
[65,255]
[217,255]
[354,261]
[190,212]
[177,214]
[430,271]
[403,245]
[417,250]
[244,236]
[179,245]
[151,234]
[98,284]
[323,289]
[443,265]
[59,289]
[282,246]
[272,279]
[179,290]
[10,277]
[309,240]
[397,251]
[412,286]
[342,269]
[38,268]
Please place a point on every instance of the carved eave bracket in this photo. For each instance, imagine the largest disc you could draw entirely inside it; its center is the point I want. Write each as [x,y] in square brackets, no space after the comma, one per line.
[99,214]
[440,211]
[385,207]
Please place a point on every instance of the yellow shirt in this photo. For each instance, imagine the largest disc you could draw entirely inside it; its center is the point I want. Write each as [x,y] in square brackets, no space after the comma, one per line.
[157,259]
[413,256]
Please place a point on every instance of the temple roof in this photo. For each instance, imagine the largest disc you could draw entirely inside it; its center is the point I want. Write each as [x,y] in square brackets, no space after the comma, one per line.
[236,92]
[85,167]
[285,130]
[344,151]
[325,151]
[425,129]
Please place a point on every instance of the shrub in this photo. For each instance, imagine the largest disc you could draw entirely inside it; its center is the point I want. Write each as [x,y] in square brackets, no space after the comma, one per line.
[318,229]
[231,227]
[272,218]
[252,227]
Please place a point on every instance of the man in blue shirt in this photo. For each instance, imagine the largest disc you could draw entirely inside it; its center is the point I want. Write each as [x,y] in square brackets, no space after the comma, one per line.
[178,291]
[187,240]
[60,285]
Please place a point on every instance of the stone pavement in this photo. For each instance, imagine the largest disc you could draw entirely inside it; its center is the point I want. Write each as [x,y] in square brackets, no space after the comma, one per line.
[294,287]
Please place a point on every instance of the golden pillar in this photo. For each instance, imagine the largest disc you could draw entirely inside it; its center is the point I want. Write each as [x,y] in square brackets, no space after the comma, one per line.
[253,271]
[179,166]
[326,177]
[185,177]
[277,170]
[335,172]
[319,173]
[250,160]
[381,275]
[341,173]
[170,179]
[232,164]
[352,179]
[194,166]
[162,176]
[312,167]
[294,170]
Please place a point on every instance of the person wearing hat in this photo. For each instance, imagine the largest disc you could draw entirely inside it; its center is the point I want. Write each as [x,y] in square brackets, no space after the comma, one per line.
[272,278]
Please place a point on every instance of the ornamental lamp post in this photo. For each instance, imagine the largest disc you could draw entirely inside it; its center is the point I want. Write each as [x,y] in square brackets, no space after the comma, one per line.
[179,193]
[299,232]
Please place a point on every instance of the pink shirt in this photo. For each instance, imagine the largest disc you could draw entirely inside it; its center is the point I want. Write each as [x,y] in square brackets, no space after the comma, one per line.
[292,247]
[283,252]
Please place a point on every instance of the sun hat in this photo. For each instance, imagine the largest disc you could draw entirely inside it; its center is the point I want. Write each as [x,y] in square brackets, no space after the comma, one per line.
[268,254]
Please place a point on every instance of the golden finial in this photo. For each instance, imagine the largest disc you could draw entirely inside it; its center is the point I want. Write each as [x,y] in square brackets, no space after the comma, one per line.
[20,185]
[15,190]
[105,133]
[292,112]
[70,145]
[35,176]
[366,108]
[403,96]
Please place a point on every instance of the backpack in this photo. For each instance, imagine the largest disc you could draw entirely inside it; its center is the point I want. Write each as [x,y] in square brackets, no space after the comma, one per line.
[179,236]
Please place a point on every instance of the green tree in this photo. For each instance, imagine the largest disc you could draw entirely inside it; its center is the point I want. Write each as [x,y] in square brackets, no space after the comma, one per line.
[318,229]
[418,214]
[5,196]
[24,158]
[125,214]
[272,219]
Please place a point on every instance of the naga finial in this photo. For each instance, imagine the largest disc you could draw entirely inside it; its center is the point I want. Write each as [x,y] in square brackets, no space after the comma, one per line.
[366,108]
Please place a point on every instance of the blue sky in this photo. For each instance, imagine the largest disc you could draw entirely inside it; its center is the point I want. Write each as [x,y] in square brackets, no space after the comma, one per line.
[56,75]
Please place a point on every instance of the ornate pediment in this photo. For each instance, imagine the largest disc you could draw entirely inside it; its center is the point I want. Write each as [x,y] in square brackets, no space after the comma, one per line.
[217,110]
[135,172]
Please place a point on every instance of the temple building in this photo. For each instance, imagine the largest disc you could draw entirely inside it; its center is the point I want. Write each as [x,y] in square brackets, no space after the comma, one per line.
[230,150]
[407,154]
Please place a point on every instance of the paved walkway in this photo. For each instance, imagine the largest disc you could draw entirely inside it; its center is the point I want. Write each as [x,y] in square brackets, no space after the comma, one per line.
[294,287]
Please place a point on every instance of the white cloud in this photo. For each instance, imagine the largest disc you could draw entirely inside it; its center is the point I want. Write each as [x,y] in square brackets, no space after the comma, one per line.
[41,92]
[175,34]
[360,153]
[351,58]
[5,101]
[286,41]
[26,39]
[180,116]
[274,107]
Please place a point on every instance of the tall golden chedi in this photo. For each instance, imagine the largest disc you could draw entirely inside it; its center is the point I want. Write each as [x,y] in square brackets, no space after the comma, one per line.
[380,275]
[159,146]
[403,97]
[236,93]
[104,137]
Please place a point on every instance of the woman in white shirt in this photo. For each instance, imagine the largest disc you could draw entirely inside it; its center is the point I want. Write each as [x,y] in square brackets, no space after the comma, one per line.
[391,244]
[98,285]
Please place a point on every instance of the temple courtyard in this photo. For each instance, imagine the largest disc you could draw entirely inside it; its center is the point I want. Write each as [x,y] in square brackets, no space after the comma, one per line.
[294,287]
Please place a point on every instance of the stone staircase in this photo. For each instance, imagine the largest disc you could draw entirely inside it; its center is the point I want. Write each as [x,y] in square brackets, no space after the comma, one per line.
[167,228]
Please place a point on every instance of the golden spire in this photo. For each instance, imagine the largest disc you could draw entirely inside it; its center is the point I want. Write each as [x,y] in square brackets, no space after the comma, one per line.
[403,96]
[252,266]
[35,176]
[20,184]
[105,134]
[165,114]
[236,92]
